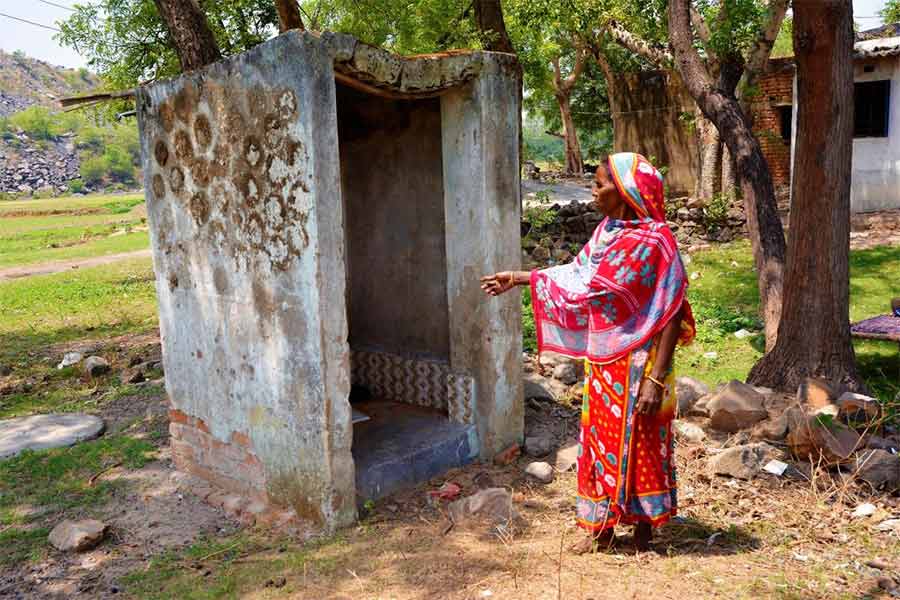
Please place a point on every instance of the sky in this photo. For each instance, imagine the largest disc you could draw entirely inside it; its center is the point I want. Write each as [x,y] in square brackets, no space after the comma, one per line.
[38,41]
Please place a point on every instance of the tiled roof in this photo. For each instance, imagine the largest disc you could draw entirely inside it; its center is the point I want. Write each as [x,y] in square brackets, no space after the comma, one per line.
[878,47]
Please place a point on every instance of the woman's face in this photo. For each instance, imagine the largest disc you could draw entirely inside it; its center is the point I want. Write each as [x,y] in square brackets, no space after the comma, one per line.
[606,195]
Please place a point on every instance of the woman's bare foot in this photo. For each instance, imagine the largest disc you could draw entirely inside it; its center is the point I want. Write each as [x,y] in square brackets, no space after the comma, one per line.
[643,534]
[589,543]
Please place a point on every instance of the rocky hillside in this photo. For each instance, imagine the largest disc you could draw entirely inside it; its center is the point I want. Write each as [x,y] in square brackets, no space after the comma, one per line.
[46,151]
[26,81]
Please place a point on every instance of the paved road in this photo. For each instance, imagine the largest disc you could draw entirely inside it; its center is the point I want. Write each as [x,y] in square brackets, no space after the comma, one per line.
[66,265]
[563,192]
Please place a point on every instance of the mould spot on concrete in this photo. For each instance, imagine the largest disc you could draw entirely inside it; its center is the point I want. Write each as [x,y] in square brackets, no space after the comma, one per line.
[202,132]
[220,280]
[159,186]
[184,149]
[248,187]
[173,281]
[176,179]
[161,152]
[200,172]
[166,116]
[287,104]
[185,102]
[263,300]
[273,126]
[200,208]
[252,151]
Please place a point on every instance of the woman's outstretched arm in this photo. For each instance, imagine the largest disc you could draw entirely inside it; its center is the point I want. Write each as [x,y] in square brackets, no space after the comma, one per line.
[502,282]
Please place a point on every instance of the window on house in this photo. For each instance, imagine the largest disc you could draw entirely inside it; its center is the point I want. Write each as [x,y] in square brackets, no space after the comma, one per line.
[872,108]
[786,115]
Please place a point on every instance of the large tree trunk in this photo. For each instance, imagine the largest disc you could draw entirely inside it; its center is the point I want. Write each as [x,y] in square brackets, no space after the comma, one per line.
[814,337]
[193,39]
[489,18]
[710,154]
[574,160]
[766,233]
[289,15]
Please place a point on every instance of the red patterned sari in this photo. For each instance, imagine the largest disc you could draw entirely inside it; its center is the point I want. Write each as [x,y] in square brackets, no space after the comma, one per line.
[609,306]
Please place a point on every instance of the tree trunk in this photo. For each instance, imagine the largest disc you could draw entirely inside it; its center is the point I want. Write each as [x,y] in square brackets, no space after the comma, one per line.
[710,153]
[574,161]
[289,15]
[489,18]
[814,336]
[766,233]
[729,175]
[190,33]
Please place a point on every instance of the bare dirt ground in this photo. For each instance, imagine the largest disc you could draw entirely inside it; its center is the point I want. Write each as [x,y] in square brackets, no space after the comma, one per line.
[59,266]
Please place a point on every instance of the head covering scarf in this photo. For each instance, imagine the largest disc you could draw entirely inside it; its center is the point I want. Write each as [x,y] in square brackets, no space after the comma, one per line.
[624,286]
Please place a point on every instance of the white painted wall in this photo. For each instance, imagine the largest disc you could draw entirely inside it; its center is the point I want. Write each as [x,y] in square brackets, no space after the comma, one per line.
[876,161]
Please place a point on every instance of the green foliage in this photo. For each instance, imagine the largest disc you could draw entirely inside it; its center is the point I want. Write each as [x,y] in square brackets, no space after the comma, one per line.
[538,217]
[35,121]
[529,331]
[891,11]
[76,186]
[784,43]
[716,210]
[93,168]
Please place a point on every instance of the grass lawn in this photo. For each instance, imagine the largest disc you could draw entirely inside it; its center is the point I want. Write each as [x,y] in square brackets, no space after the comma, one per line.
[39,231]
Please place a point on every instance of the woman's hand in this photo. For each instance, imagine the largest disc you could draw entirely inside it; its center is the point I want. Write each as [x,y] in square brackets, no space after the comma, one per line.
[649,398]
[498,283]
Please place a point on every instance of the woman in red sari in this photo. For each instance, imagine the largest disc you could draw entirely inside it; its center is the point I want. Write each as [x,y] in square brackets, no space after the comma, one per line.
[621,306]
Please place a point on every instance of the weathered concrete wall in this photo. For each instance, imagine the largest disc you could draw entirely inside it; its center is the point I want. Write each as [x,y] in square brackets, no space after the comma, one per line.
[394,201]
[649,121]
[243,193]
[482,211]
[876,161]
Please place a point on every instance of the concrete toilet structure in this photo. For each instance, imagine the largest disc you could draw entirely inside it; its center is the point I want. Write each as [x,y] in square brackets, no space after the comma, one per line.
[321,211]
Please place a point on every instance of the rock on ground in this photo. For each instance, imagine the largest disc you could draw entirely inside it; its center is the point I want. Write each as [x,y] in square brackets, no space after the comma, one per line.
[544,389]
[494,504]
[541,471]
[687,391]
[742,462]
[688,432]
[538,445]
[816,439]
[858,407]
[77,535]
[39,432]
[815,394]
[566,373]
[878,468]
[736,406]
[567,456]
[94,366]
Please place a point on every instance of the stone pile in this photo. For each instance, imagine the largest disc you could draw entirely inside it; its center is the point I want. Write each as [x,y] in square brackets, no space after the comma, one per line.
[818,428]
[31,169]
[572,225]
[10,104]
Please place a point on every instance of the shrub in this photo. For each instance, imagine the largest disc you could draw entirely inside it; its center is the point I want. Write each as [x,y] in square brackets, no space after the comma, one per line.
[36,121]
[93,168]
[76,186]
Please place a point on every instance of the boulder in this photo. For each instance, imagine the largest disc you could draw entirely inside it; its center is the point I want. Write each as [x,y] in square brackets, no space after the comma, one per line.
[700,407]
[77,535]
[687,392]
[688,432]
[735,407]
[542,388]
[566,373]
[858,407]
[538,445]
[741,462]
[815,394]
[567,456]
[94,366]
[541,471]
[40,432]
[776,429]
[878,468]
[822,439]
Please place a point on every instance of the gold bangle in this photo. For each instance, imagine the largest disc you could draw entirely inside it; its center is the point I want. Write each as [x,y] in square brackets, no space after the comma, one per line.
[656,381]
[512,276]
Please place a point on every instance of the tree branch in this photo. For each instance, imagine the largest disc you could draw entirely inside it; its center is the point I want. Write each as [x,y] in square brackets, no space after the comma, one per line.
[651,52]
[700,26]
[694,72]
[759,54]
[289,15]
